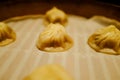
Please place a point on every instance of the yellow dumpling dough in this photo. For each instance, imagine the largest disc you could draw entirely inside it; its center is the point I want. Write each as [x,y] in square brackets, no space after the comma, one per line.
[49,72]
[106,40]
[7,35]
[54,38]
[55,16]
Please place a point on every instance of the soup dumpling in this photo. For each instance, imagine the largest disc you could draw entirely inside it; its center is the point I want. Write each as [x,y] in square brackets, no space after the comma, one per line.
[7,35]
[49,72]
[55,15]
[54,38]
[106,40]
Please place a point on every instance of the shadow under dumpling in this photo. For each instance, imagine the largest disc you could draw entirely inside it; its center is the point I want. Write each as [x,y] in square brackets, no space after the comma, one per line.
[54,38]
[7,35]
[106,40]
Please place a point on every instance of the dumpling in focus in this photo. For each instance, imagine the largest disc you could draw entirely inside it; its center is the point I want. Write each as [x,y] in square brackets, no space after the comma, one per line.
[49,72]
[55,16]
[7,35]
[106,40]
[54,38]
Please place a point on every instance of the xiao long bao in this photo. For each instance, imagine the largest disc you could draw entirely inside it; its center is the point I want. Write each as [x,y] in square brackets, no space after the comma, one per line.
[7,35]
[55,15]
[49,72]
[106,40]
[54,38]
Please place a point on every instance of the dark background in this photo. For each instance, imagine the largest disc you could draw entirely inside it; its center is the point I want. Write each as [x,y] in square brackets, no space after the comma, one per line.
[86,8]
[116,2]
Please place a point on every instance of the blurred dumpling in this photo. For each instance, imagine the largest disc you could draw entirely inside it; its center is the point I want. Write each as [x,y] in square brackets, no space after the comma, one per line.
[7,35]
[49,72]
[54,38]
[106,40]
[55,15]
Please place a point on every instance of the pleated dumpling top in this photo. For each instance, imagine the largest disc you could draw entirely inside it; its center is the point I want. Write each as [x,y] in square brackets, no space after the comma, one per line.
[54,38]
[106,40]
[7,35]
[55,15]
